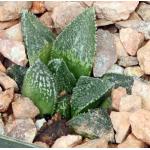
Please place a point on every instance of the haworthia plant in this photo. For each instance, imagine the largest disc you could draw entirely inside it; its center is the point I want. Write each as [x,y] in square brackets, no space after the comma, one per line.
[39,85]
[88,93]
[93,124]
[76,44]
[36,35]
[64,78]
[17,73]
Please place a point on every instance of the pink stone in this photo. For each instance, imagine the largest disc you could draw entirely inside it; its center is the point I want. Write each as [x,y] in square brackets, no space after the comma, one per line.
[131,40]
[13,50]
[121,125]
[116,97]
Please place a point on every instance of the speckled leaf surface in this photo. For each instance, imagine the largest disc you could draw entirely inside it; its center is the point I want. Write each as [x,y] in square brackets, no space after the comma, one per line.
[93,124]
[88,93]
[76,44]
[119,80]
[39,85]
[35,35]
[64,78]
[17,73]
[63,107]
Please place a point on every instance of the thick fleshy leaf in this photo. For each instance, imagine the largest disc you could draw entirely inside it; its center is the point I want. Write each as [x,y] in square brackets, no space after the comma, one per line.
[39,85]
[64,78]
[88,93]
[76,44]
[93,124]
[35,35]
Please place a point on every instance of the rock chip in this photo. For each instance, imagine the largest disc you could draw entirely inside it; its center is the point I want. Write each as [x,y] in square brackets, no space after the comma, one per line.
[61,14]
[41,144]
[11,10]
[140,125]
[46,19]
[120,50]
[50,5]
[96,143]
[144,11]
[133,71]
[130,103]
[114,11]
[105,53]
[23,107]
[6,98]
[131,40]
[13,33]
[2,67]
[128,61]
[67,141]
[39,123]
[38,7]
[143,56]
[132,142]
[103,22]
[13,50]
[134,16]
[121,125]
[7,24]
[116,69]
[142,89]
[22,129]
[116,97]
[6,82]
[2,129]
[140,26]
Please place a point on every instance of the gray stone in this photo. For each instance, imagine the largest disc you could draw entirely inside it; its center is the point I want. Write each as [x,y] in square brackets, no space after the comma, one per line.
[105,53]
[128,61]
[140,26]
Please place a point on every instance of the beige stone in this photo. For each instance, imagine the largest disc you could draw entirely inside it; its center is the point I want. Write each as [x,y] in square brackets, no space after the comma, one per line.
[38,7]
[6,82]
[2,67]
[11,10]
[144,11]
[132,142]
[50,5]
[134,71]
[23,108]
[120,50]
[41,144]
[67,141]
[131,40]
[6,98]
[13,33]
[140,124]
[63,14]
[130,103]
[46,19]
[143,56]
[142,89]
[7,24]
[134,16]
[22,129]
[114,11]
[121,125]
[116,97]
[96,143]
[13,50]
